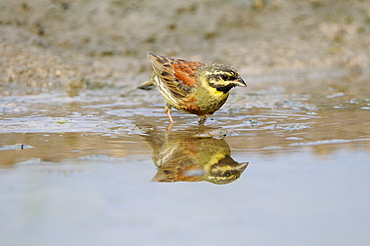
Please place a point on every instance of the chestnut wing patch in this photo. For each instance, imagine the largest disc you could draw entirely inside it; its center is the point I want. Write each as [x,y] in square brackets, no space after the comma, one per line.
[185,71]
[177,75]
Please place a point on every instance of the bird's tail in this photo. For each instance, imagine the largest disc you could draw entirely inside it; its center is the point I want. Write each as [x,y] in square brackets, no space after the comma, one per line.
[148,85]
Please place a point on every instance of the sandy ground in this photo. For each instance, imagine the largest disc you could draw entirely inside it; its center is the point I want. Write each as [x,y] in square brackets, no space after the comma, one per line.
[49,44]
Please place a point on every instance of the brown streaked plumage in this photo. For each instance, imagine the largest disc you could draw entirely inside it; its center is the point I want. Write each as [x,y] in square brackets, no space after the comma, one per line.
[193,87]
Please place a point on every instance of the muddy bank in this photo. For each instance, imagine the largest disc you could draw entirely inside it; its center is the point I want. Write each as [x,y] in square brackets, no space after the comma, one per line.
[71,45]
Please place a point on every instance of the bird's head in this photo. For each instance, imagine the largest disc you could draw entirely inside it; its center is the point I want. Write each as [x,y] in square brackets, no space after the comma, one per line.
[225,171]
[220,77]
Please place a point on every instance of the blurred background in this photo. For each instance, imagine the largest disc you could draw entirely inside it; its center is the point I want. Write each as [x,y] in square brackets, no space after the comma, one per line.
[46,44]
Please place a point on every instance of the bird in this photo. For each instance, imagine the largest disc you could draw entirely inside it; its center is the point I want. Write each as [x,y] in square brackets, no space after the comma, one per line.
[190,86]
[190,158]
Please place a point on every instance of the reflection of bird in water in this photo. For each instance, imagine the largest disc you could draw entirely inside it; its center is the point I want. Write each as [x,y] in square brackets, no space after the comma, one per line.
[191,159]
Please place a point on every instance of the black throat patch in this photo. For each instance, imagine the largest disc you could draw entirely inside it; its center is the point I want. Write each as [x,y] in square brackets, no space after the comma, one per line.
[223,88]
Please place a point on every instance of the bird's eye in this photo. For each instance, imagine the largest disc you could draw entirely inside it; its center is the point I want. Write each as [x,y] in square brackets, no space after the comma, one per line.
[225,77]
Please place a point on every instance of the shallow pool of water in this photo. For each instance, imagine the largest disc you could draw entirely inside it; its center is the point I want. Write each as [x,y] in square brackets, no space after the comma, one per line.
[273,167]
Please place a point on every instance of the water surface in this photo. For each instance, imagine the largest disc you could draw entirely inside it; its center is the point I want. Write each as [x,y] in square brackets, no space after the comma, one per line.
[275,166]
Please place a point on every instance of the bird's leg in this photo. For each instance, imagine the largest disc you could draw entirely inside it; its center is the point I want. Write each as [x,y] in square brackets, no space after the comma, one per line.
[168,112]
[202,120]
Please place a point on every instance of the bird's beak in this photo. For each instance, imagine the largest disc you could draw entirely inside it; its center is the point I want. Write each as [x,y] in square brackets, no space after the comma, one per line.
[242,166]
[240,82]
